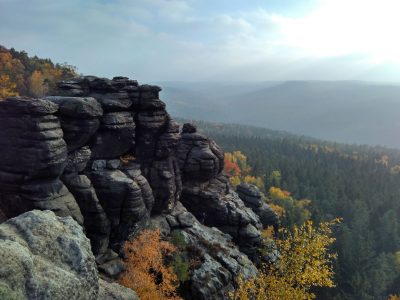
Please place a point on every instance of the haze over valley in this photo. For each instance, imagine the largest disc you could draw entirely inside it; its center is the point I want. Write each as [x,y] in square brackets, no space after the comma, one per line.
[344,111]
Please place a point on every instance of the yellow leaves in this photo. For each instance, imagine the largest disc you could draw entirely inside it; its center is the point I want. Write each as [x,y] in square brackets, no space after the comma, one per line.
[234,180]
[279,210]
[277,193]
[304,263]
[257,181]
[37,86]
[146,272]
[268,233]
[394,297]
[7,88]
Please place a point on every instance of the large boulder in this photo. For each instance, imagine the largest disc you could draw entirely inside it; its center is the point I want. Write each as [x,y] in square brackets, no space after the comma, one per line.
[200,158]
[216,205]
[206,192]
[114,291]
[46,257]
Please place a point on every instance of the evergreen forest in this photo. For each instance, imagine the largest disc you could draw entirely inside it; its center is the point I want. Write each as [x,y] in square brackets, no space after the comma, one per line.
[359,184]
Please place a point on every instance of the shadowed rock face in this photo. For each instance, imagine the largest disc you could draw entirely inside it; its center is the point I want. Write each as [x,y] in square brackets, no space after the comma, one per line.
[252,198]
[106,153]
[207,194]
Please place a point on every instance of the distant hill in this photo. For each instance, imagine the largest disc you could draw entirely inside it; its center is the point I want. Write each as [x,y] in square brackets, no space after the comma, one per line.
[344,111]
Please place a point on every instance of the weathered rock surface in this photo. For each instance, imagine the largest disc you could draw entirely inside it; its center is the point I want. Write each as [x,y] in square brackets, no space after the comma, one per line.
[96,222]
[51,195]
[79,119]
[46,257]
[252,198]
[115,137]
[217,260]
[107,153]
[122,200]
[200,158]
[114,291]
[206,192]
[31,140]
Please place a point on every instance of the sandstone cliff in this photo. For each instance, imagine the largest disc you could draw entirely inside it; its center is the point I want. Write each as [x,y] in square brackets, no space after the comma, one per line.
[106,153]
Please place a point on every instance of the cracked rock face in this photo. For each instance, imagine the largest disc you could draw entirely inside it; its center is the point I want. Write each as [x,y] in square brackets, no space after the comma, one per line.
[46,257]
[206,192]
[219,261]
[106,153]
[252,198]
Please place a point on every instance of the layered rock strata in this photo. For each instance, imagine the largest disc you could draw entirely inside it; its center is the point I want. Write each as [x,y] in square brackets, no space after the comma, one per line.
[106,153]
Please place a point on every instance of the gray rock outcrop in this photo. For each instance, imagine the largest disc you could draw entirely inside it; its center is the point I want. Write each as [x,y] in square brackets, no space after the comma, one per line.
[216,260]
[46,257]
[106,153]
[207,194]
[253,199]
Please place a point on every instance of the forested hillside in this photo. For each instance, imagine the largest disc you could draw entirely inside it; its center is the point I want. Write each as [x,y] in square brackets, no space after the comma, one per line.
[360,184]
[29,76]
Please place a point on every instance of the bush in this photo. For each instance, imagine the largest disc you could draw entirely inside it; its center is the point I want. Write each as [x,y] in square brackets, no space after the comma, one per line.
[146,272]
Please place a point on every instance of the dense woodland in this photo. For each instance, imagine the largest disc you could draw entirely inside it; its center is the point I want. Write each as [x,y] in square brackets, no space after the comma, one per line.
[29,76]
[360,184]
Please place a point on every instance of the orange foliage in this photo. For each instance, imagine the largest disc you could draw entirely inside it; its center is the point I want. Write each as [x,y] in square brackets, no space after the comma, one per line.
[237,169]
[7,88]
[279,210]
[231,168]
[146,272]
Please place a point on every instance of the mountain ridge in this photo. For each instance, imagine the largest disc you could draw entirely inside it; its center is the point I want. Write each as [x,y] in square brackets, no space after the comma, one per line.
[345,111]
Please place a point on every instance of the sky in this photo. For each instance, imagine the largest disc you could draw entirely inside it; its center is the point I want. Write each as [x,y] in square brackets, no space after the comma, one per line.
[203,40]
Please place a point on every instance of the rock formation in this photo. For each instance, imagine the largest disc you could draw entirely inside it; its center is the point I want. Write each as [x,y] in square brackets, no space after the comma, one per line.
[106,153]
[48,257]
[253,199]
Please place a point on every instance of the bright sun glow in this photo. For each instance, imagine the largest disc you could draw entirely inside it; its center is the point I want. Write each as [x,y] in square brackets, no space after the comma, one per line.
[345,27]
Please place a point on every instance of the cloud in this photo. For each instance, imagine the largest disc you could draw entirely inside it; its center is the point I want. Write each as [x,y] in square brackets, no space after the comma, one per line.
[199,40]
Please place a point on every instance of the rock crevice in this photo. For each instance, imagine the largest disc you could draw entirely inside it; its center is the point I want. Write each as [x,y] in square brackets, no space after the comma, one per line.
[106,153]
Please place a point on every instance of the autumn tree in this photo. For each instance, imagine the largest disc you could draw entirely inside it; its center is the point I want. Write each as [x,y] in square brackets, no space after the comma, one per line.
[146,270]
[304,263]
[37,86]
[7,88]
[295,212]
[14,69]
[32,76]
[238,170]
